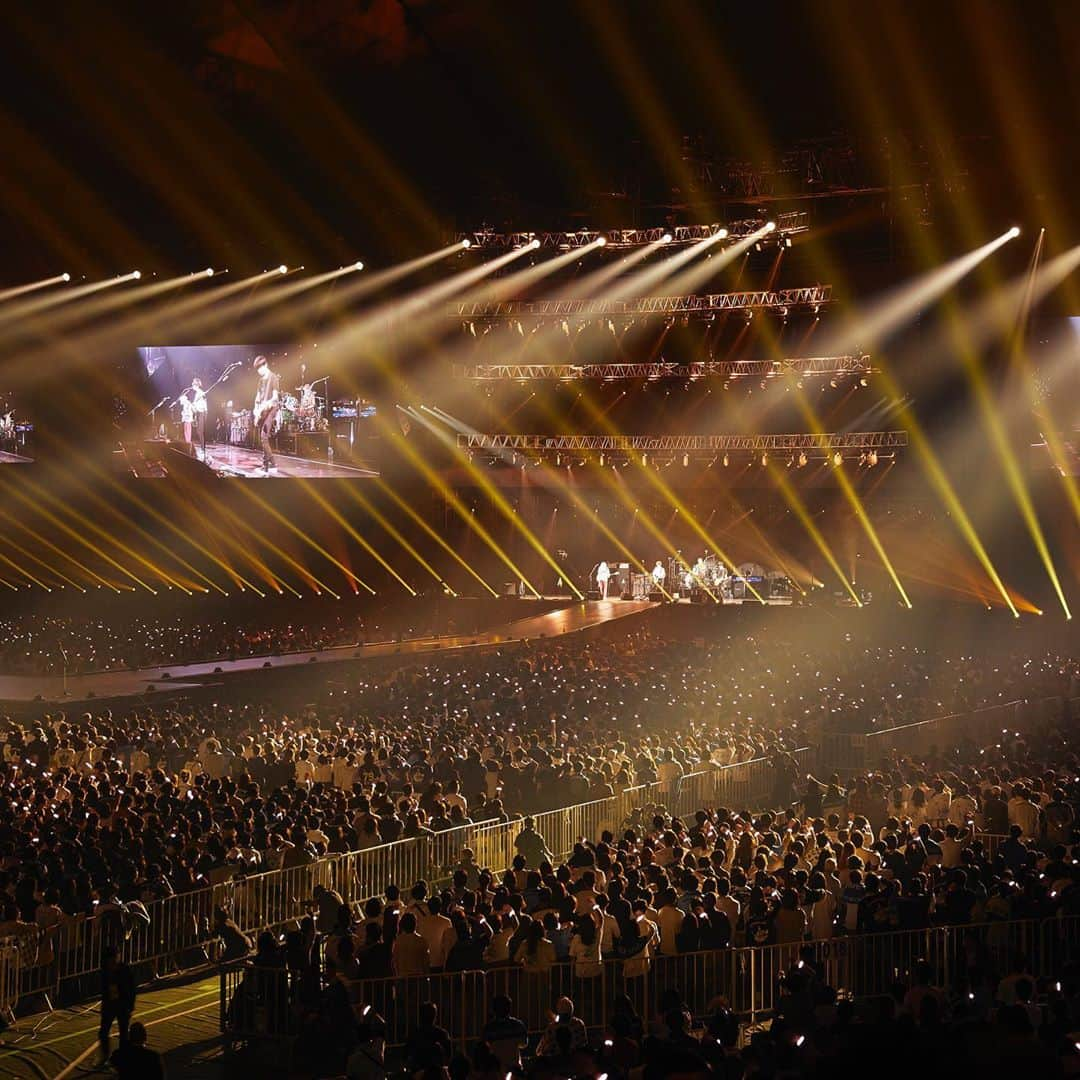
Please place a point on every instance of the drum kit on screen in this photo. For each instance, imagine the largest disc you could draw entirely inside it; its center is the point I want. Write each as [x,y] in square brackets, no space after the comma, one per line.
[301,411]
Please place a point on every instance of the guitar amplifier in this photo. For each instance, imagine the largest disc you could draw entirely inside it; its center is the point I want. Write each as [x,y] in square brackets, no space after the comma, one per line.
[305,444]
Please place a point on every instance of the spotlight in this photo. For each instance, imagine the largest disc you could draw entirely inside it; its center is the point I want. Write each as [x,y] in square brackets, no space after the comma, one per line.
[837,458]
[685,460]
[770,225]
[721,233]
[601,240]
[535,244]
[666,238]
[725,461]
[787,241]
[802,460]
[871,458]
[136,274]
[65,277]
[1014,232]
[833,383]
[209,271]
[466,243]
[864,381]
[282,269]
[764,460]
[358,265]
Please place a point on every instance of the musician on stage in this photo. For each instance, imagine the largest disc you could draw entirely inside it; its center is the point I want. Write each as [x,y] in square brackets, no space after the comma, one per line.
[267,404]
[603,573]
[193,411]
[658,575]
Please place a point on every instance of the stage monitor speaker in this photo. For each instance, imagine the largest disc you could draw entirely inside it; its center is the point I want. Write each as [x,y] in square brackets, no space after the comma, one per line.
[626,594]
[510,588]
[593,594]
[656,597]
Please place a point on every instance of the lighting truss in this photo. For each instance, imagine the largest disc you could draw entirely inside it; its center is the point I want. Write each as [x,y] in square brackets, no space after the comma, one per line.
[808,366]
[810,443]
[696,304]
[788,224]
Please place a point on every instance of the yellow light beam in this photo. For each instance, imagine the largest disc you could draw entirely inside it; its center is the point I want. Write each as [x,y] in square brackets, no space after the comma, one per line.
[433,534]
[377,515]
[807,521]
[369,548]
[33,286]
[498,499]
[459,508]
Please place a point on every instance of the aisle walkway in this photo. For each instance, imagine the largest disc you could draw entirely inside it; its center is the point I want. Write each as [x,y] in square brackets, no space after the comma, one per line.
[115,684]
[181,1021]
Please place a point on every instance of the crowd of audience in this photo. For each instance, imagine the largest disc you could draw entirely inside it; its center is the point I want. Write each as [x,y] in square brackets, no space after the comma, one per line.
[105,813]
[43,644]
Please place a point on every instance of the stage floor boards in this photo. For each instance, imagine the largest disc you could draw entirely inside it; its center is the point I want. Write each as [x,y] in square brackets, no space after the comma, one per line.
[228,460]
[182,1023]
[14,459]
[117,684]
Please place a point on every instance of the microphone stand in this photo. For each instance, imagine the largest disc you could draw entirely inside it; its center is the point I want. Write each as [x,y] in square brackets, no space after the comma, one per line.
[223,377]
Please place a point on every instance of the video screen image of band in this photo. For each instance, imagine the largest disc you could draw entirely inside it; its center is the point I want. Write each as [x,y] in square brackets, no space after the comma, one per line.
[251,411]
[16,431]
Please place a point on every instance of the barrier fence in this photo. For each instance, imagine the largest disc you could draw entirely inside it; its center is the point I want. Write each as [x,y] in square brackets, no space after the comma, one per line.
[259,1003]
[178,933]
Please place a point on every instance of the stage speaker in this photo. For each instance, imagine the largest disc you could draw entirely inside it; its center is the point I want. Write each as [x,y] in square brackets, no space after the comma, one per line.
[626,594]
[510,588]
[698,595]
[593,594]
[656,597]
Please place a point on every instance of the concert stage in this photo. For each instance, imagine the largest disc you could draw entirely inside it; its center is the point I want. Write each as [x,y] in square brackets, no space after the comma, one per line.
[14,459]
[110,685]
[228,460]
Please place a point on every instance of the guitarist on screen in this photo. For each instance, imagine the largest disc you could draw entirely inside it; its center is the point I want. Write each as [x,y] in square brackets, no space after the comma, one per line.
[267,403]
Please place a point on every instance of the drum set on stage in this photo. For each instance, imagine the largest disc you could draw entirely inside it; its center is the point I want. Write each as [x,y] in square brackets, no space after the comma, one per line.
[305,410]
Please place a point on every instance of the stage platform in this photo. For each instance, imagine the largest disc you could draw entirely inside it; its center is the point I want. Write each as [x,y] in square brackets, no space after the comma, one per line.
[228,460]
[7,458]
[121,684]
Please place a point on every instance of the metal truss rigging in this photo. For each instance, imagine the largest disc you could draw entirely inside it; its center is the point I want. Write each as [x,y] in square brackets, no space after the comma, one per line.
[808,366]
[810,443]
[788,224]
[698,304]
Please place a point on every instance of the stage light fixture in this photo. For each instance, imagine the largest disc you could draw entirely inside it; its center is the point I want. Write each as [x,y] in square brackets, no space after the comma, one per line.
[685,460]
[136,274]
[837,458]
[666,238]
[65,277]
[358,265]
[764,460]
[601,241]
[1014,232]
[535,244]
[282,269]
[209,271]
[466,243]
[802,459]
[725,461]
[770,225]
